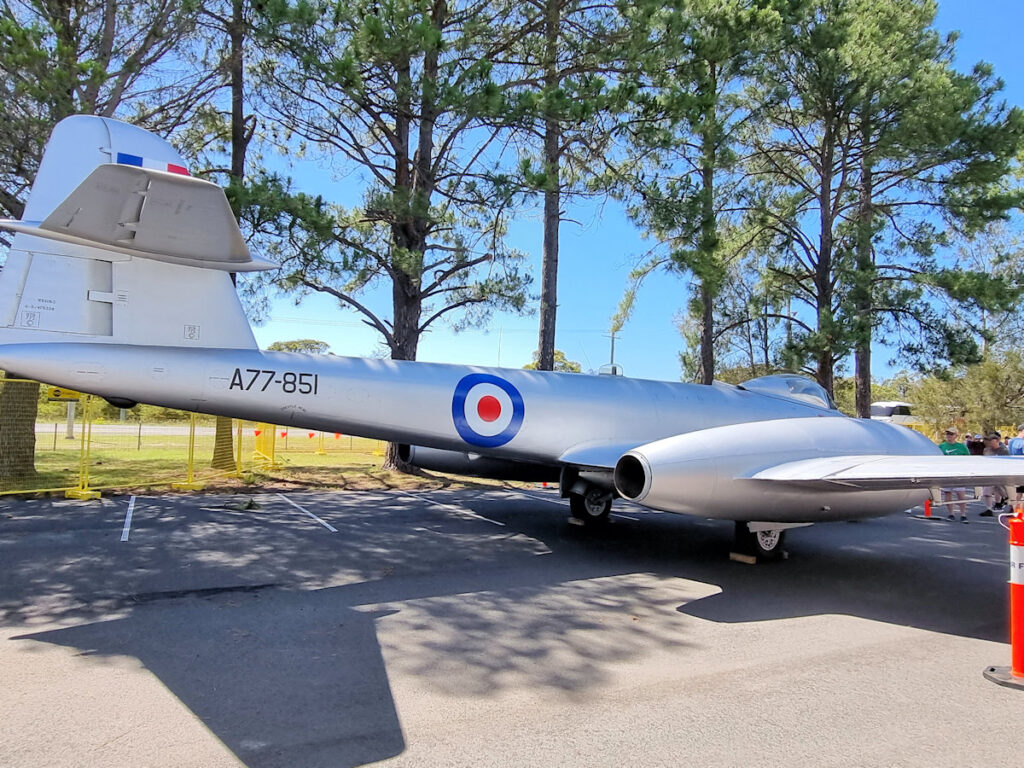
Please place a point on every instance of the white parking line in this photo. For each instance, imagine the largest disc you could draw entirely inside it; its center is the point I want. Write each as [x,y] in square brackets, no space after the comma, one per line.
[128,519]
[449,507]
[324,523]
[562,502]
[539,497]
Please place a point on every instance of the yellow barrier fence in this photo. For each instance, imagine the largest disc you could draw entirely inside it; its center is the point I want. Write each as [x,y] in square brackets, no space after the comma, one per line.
[58,441]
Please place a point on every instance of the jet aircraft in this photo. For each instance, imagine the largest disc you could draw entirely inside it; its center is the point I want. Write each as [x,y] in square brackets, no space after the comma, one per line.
[117,283]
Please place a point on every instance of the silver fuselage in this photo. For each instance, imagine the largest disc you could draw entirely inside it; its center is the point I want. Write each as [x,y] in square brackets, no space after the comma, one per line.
[395,400]
[572,419]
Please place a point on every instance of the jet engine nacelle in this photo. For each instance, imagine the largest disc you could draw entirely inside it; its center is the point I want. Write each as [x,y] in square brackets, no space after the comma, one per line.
[475,465]
[711,472]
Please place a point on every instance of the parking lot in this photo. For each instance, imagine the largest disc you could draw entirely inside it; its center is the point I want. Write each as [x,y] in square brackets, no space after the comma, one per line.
[479,628]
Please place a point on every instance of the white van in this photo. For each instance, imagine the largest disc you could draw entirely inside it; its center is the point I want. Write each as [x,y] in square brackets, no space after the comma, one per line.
[893,411]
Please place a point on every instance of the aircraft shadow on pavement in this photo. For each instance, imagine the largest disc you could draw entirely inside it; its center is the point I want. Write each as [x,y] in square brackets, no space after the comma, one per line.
[280,680]
[931,574]
[285,655]
[286,673]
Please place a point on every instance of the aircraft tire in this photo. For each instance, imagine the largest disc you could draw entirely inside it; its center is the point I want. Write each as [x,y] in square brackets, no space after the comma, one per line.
[768,544]
[592,507]
[764,545]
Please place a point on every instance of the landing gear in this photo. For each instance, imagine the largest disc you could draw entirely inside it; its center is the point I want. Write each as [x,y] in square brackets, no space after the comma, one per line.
[769,544]
[763,543]
[591,507]
[590,495]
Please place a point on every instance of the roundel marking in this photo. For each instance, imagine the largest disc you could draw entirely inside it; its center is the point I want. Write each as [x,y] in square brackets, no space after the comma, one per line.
[487,410]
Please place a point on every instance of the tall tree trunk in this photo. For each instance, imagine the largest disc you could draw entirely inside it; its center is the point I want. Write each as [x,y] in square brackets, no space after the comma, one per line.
[223,444]
[766,339]
[823,271]
[708,245]
[408,229]
[552,195]
[408,305]
[236,64]
[863,280]
[706,372]
[19,403]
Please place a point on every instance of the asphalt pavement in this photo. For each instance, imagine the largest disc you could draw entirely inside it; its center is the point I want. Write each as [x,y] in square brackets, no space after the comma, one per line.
[480,628]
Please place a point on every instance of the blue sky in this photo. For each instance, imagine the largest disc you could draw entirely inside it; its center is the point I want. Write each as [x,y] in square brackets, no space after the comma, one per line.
[599,247]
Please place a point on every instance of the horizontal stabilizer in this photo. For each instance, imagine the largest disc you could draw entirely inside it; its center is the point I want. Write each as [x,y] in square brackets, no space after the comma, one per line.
[151,214]
[877,472]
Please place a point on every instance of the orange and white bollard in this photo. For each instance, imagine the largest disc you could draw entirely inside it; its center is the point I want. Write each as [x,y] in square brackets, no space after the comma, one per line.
[1013,676]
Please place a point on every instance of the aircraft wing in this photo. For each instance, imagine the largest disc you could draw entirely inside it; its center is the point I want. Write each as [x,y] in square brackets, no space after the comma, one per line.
[597,454]
[879,472]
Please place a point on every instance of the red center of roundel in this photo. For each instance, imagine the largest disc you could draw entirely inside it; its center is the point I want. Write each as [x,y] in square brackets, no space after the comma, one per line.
[488,408]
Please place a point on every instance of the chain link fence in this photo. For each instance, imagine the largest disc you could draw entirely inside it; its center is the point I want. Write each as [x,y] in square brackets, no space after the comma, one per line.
[54,440]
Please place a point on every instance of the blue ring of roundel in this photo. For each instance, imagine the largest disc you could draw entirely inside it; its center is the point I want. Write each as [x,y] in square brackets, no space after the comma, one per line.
[466,432]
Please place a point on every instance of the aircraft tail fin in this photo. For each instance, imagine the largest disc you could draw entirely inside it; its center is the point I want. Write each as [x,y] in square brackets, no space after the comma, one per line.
[119,244]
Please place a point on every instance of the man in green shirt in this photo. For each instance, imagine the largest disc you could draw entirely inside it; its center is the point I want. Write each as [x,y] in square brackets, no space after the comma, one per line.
[951,446]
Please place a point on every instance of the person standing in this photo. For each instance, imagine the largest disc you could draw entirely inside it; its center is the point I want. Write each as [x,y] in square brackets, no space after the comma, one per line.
[994,495]
[953,447]
[1016,448]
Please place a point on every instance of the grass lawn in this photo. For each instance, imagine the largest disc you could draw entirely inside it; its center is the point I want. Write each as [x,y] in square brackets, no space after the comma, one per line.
[127,464]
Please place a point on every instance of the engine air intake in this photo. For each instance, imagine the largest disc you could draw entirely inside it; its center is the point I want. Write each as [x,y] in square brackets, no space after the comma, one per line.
[630,477]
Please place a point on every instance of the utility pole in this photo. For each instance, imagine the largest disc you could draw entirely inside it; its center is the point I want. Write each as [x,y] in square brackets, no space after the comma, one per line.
[610,368]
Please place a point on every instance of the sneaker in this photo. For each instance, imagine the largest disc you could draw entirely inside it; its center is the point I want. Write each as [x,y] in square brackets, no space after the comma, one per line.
[951,518]
[1001,504]
[987,513]
[963,520]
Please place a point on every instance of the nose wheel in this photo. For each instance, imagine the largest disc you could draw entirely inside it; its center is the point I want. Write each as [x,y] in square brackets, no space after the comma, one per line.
[591,507]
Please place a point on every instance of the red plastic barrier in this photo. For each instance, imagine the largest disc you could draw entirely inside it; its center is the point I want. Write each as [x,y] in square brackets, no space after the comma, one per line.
[1013,676]
[1017,595]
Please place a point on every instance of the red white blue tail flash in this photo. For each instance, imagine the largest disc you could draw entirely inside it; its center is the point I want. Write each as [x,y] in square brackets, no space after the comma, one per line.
[123,158]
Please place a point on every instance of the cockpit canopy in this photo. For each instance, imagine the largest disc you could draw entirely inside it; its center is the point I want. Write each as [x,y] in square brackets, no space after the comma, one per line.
[791,386]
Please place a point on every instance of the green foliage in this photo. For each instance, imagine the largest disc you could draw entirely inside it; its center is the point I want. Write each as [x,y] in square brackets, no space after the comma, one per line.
[871,140]
[978,398]
[125,60]
[997,251]
[562,363]
[808,166]
[737,374]
[690,115]
[55,412]
[111,59]
[308,346]
[402,95]
[559,66]
[880,391]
